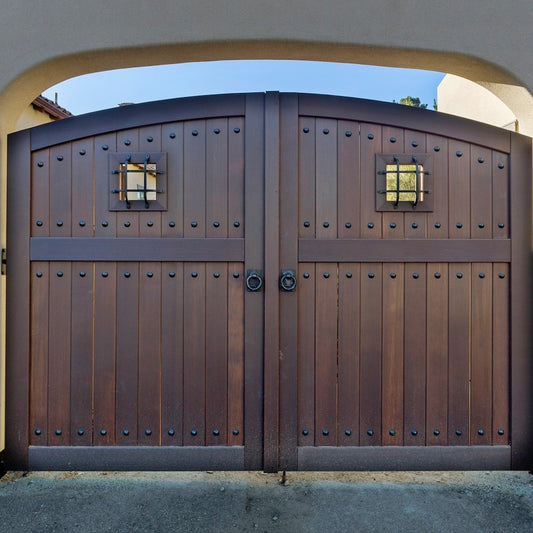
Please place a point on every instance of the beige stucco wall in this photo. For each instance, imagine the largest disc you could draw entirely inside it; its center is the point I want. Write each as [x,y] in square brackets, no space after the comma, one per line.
[43,43]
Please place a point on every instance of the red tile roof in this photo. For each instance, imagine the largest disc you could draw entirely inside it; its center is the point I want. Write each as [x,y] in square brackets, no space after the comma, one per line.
[46,105]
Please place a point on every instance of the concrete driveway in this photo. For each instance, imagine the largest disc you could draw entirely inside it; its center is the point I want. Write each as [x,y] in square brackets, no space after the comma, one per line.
[235,501]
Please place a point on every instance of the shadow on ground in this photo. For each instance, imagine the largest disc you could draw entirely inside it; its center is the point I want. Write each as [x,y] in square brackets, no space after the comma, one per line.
[236,501]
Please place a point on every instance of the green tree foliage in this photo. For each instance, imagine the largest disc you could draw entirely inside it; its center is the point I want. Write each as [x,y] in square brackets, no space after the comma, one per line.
[412,101]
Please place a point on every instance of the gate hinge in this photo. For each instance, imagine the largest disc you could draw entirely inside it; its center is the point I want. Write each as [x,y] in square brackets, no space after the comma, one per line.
[4,261]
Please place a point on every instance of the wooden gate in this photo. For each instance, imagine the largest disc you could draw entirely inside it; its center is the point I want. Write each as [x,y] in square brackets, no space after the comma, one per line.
[269,281]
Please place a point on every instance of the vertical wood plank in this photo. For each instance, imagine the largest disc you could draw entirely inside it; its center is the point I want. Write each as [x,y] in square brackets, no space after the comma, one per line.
[59,355]
[481,369]
[105,221]
[82,188]
[128,221]
[81,369]
[371,347]
[459,190]
[150,141]
[415,222]
[60,190]
[481,192]
[40,193]
[437,220]
[172,144]
[371,226]
[172,354]
[348,357]
[415,354]
[392,389]
[348,197]
[104,353]
[307,177]
[194,179]
[437,354]
[127,365]
[500,195]
[38,415]
[393,221]
[459,353]
[326,355]
[236,177]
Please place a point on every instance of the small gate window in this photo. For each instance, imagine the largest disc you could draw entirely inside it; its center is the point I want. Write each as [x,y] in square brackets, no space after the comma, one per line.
[138,181]
[403,182]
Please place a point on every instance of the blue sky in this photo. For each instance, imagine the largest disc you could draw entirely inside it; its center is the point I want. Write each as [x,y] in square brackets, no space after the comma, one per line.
[103,90]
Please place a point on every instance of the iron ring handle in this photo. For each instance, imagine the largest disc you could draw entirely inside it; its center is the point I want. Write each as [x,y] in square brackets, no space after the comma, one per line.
[287,281]
[254,281]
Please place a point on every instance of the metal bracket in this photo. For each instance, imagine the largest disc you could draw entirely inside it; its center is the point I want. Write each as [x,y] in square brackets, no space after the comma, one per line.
[4,261]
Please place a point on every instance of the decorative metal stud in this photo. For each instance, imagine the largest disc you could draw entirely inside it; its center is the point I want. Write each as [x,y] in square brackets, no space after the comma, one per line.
[194,274]
[216,131]
[437,275]
[348,274]
[236,275]
[194,133]
[501,275]
[80,432]
[501,225]
[105,147]
[326,275]
[82,274]
[235,432]
[414,225]
[481,275]
[39,223]
[306,275]
[325,224]
[436,148]
[500,432]
[127,274]
[236,224]
[172,274]
[216,432]
[150,139]
[148,432]
[59,274]
[39,274]
[82,151]
[172,135]
[103,432]
[127,224]
[307,224]
[105,274]
[370,136]
[458,225]
[40,164]
[436,432]
[194,224]
[172,224]
[371,275]
[348,225]
[105,223]
[414,432]
[392,225]
[459,275]
[236,130]
[216,275]
[393,275]
[348,432]
[392,139]
[414,144]
[150,274]
[480,160]
[171,432]
[437,225]
[480,432]
[370,433]
[392,432]
[348,133]
[306,130]
[325,432]
[127,142]
[325,131]
[416,275]
[60,158]
[305,432]
[58,432]
[459,153]
[149,223]
[81,223]
[126,432]
[481,225]
[501,165]
[458,432]
[216,224]
[38,432]
[59,223]
[370,225]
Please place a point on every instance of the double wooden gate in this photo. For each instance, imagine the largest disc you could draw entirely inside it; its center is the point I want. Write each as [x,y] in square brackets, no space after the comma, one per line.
[269,281]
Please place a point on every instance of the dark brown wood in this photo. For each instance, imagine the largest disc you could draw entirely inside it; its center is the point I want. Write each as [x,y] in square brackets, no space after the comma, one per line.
[459,190]
[40,193]
[392,141]
[236,177]
[140,249]
[127,221]
[307,177]
[105,221]
[60,190]
[500,195]
[194,223]
[437,220]
[481,193]
[412,250]
[416,222]
[371,227]
[82,223]
[348,180]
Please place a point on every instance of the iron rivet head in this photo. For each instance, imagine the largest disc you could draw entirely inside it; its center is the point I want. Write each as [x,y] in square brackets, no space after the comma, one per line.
[103,432]
[216,224]
[501,275]
[370,225]
[150,274]
[501,165]
[325,131]
[235,432]
[392,432]
[105,274]
[194,224]
[40,164]
[80,432]
[437,275]
[371,275]
[458,153]
[414,225]
[59,274]
[58,432]
[414,432]
[194,274]
[306,130]
[481,225]
[236,224]
[171,432]
[127,224]
[436,148]
[480,432]
[59,223]
[216,275]
[39,223]
[150,139]
[306,275]
[326,224]
[127,274]
[392,139]
[38,431]
[81,223]
[459,275]
[149,223]
[501,225]
[348,133]
[171,224]
[82,274]
[458,225]
[127,142]
[60,158]
[348,432]
[393,275]
[216,432]
[105,147]
[348,225]
[500,432]
[348,274]
[416,275]
[480,160]
[307,224]
[105,223]
[392,225]
[172,274]
[236,275]
[370,433]
[414,144]
[325,432]
[194,133]
[437,225]
[39,274]
[216,131]
[82,151]
[172,135]
[126,432]
[148,432]
[326,275]
[305,432]
[458,432]
[436,432]
[237,130]
[481,275]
